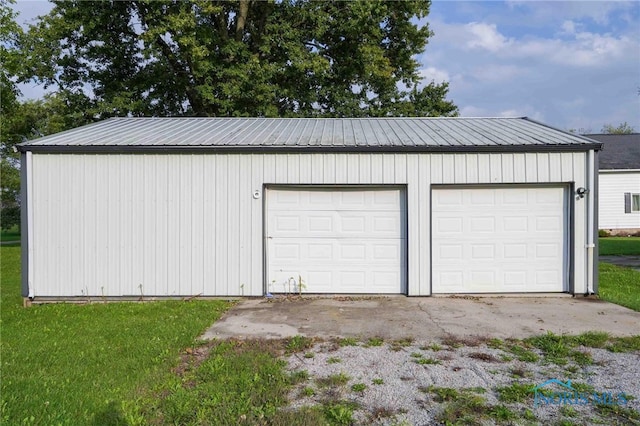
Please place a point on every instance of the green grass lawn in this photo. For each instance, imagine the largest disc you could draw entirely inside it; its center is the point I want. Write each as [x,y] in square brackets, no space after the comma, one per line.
[12,234]
[620,285]
[612,246]
[84,364]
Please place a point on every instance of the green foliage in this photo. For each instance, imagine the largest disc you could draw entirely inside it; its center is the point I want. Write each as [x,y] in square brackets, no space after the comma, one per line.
[469,409]
[340,413]
[348,341]
[502,413]
[621,129]
[358,387]
[333,360]
[9,217]
[619,285]
[299,376]
[427,361]
[582,387]
[76,364]
[219,58]
[522,353]
[619,246]
[374,341]
[339,379]
[515,392]
[11,234]
[617,414]
[298,343]
[239,381]
[10,34]
[398,344]
[377,381]
[624,344]
[432,347]
[581,358]
[559,349]
[442,394]
[569,411]
[555,348]
[592,339]
[495,343]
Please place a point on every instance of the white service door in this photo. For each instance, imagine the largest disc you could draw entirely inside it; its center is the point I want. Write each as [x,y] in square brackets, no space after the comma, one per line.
[499,240]
[338,240]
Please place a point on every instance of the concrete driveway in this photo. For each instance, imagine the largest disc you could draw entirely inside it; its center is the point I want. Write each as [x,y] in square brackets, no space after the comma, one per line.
[423,318]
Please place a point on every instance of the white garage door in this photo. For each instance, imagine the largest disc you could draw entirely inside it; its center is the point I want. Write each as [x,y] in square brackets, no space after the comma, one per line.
[487,240]
[338,240]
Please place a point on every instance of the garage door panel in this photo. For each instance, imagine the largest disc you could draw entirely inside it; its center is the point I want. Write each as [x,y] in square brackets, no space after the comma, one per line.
[548,223]
[482,224]
[319,251]
[338,200]
[492,242]
[338,251]
[343,241]
[320,280]
[327,224]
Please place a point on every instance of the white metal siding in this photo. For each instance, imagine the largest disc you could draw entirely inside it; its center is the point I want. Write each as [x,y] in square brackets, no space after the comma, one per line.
[612,187]
[181,224]
[499,239]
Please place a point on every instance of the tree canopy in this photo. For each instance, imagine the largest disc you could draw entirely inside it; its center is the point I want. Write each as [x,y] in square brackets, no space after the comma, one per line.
[244,58]
[282,58]
[10,33]
[621,129]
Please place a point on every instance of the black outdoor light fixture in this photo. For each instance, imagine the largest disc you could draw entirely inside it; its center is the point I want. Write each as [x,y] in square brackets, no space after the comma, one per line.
[582,192]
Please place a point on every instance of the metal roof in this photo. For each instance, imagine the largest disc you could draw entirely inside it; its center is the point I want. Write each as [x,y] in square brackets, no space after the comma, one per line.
[619,152]
[320,134]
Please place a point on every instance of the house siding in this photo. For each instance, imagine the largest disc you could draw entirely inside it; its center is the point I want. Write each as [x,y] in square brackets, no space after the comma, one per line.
[187,224]
[613,185]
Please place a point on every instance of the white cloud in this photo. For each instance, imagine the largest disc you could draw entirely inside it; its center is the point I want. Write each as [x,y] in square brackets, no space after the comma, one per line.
[545,11]
[568,27]
[486,36]
[498,72]
[436,75]
[577,49]
[510,113]
[567,72]
[474,111]
[522,111]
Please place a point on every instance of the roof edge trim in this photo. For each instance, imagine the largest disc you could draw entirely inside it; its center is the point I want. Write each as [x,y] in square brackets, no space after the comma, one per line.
[166,149]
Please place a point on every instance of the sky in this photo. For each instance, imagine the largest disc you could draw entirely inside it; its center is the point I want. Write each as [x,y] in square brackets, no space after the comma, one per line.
[574,65]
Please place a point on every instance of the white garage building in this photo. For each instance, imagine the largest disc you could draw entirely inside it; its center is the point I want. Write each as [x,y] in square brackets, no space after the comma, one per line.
[249,206]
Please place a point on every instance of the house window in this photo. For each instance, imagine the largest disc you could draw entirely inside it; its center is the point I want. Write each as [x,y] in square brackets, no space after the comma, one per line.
[631,203]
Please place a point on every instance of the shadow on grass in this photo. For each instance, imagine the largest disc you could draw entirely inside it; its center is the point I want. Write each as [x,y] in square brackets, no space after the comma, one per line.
[110,416]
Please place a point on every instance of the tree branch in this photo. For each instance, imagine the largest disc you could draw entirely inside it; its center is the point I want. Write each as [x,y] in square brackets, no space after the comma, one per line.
[177,67]
[241,20]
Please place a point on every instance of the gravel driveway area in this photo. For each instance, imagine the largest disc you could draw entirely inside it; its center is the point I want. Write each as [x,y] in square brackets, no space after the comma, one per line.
[472,381]
[454,360]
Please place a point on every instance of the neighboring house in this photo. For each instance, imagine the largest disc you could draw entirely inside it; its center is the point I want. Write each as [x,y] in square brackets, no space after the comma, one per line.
[619,183]
[249,206]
